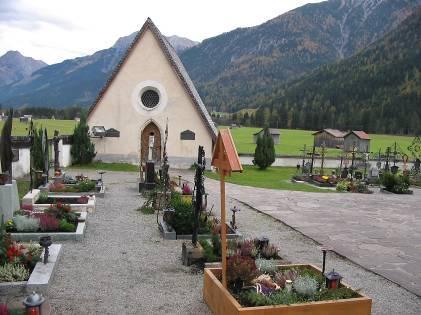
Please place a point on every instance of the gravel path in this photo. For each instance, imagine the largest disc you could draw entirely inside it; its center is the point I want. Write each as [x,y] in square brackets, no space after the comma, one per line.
[123,266]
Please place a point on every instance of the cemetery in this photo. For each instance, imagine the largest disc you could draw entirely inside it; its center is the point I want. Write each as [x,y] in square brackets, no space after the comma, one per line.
[276,251]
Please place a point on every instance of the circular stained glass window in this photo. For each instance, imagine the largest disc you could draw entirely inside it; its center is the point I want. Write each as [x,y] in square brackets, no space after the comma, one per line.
[150,98]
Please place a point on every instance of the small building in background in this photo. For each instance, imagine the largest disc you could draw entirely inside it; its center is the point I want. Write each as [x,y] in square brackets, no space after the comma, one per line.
[275,134]
[25,118]
[332,138]
[358,139]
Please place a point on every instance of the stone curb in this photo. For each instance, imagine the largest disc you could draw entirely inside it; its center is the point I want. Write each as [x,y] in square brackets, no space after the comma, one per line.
[40,277]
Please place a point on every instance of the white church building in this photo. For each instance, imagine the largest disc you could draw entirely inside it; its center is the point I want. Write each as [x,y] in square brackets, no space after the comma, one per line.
[148,90]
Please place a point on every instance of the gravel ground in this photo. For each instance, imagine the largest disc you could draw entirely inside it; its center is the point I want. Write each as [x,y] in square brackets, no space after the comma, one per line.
[123,266]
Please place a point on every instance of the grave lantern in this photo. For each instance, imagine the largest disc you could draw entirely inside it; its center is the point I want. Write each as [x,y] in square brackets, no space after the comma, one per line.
[225,159]
[33,303]
[333,280]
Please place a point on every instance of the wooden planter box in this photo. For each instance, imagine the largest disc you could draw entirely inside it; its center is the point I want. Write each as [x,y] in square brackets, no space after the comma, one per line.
[220,301]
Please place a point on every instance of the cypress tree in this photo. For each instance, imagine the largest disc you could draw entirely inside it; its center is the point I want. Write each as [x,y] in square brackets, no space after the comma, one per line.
[264,155]
[83,150]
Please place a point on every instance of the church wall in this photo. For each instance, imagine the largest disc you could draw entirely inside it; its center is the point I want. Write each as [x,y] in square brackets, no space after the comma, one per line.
[119,108]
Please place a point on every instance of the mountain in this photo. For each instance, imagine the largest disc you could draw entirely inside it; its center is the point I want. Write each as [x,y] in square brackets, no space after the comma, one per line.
[376,90]
[15,67]
[73,81]
[240,68]
[180,44]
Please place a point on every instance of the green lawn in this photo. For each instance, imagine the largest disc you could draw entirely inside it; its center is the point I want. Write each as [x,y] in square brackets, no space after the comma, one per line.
[65,127]
[293,140]
[23,187]
[115,167]
[273,177]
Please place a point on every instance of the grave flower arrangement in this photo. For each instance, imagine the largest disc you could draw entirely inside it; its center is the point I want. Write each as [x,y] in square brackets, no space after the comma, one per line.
[57,218]
[325,179]
[16,260]
[353,186]
[397,184]
[80,186]
[182,219]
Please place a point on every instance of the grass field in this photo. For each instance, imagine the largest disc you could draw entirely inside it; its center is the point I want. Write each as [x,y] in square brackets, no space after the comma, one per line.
[273,177]
[293,140]
[65,127]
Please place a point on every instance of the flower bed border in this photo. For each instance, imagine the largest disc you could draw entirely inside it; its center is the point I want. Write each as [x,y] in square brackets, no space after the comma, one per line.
[172,235]
[89,207]
[220,300]
[55,236]
[40,277]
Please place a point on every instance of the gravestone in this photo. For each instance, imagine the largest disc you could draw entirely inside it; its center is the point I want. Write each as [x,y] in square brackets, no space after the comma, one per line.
[344,173]
[9,200]
[374,172]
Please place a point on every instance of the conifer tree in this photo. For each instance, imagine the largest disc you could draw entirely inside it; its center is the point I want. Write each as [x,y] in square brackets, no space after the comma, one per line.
[83,150]
[264,155]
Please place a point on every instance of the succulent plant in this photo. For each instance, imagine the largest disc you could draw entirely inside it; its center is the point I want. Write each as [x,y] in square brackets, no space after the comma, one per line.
[282,276]
[305,286]
[26,224]
[266,265]
[13,272]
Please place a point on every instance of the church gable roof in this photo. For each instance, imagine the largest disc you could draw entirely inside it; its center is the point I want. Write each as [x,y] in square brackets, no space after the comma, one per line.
[177,66]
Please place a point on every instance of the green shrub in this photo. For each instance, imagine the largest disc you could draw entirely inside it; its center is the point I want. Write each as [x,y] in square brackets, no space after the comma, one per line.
[26,224]
[13,273]
[83,150]
[208,251]
[183,219]
[66,226]
[264,155]
[389,181]
[85,186]
[342,186]
[336,294]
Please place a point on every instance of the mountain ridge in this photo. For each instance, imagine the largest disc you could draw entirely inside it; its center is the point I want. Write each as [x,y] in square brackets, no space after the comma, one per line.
[15,67]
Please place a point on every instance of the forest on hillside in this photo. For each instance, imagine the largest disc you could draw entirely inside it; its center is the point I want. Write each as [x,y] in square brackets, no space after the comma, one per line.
[377,90]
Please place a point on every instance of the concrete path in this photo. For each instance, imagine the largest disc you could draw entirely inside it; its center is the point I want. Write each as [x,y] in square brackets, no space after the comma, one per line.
[381,232]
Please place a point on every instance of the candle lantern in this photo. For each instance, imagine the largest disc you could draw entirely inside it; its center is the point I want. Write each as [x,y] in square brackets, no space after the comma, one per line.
[33,303]
[45,242]
[333,280]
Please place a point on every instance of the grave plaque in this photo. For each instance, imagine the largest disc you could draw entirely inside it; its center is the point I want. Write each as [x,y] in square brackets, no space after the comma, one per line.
[150,172]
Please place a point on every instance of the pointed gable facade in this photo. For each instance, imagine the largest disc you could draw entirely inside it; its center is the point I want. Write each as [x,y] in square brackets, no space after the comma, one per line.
[149,89]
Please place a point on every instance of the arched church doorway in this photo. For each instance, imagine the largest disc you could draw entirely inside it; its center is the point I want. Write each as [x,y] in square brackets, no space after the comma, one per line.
[150,143]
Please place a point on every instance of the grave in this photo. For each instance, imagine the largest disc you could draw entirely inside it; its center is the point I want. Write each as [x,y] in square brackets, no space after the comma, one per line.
[9,200]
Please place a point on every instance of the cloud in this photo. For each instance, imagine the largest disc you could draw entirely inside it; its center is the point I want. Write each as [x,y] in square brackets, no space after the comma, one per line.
[17,14]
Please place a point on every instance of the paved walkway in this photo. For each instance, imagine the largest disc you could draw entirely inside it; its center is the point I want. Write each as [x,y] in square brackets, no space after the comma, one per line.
[381,232]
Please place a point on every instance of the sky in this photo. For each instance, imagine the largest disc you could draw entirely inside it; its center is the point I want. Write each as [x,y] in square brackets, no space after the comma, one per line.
[55,30]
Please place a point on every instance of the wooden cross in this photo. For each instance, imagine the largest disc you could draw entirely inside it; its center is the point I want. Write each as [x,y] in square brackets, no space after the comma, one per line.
[225,159]
[304,150]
